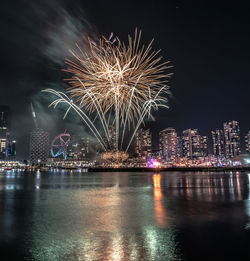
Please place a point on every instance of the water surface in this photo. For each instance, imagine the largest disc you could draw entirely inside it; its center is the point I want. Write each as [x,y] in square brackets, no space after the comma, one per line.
[63,215]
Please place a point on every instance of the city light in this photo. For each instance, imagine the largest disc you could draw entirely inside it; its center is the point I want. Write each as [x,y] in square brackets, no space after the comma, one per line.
[152,163]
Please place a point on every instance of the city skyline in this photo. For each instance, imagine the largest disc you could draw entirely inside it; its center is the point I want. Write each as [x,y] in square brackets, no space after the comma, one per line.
[215,140]
[209,54]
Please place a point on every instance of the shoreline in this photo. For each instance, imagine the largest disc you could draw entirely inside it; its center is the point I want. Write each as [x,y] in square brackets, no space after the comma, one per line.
[196,169]
[142,169]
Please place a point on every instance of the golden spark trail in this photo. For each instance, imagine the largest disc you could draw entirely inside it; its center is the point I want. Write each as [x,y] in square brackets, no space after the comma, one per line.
[117,83]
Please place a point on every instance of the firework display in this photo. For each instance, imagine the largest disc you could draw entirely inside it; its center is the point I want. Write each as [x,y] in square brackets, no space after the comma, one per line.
[152,163]
[114,157]
[115,85]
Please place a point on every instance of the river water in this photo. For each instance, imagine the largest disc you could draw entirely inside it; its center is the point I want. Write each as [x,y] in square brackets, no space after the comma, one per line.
[63,215]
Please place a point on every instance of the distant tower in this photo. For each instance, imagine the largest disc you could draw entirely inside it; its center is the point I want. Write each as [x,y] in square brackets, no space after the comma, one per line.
[232,138]
[168,144]
[143,143]
[247,142]
[218,142]
[39,144]
[4,130]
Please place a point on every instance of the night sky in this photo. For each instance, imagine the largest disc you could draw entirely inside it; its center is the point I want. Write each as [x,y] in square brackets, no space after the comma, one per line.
[207,42]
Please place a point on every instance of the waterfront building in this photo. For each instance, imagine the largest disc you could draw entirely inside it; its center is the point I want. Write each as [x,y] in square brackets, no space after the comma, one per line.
[39,147]
[168,144]
[4,129]
[189,141]
[204,146]
[193,144]
[186,143]
[218,142]
[143,147]
[179,152]
[247,142]
[241,160]
[3,143]
[232,138]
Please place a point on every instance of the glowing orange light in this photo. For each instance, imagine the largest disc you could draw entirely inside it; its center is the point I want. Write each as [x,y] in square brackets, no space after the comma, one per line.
[156,164]
[157,180]
[160,211]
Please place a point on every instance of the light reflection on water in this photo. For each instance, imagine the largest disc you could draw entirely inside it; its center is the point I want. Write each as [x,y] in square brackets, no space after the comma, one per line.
[248,203]
[122,216]
[160,210]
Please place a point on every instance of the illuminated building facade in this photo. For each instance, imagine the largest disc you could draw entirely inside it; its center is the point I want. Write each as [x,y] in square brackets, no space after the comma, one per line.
[232,138]
[193,144]
[143,143]
[218,142]
[39,147]
[84,148]
[79,148]
[3,143]
[187,142]
[179,151]
[168,144]
[4,130]
[247,142]
[73,148]
[204,146]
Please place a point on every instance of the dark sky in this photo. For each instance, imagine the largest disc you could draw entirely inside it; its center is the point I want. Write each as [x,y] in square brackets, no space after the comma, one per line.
[208,42]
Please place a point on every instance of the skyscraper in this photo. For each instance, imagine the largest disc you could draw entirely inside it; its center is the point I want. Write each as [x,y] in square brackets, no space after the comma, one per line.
[204,146]
[39,143]
[143,143]
[232,138]
[189,142]
[39,147]
[179,150]
[218,142]
[193,144]
[168,144]
[4,129]
[247,142]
